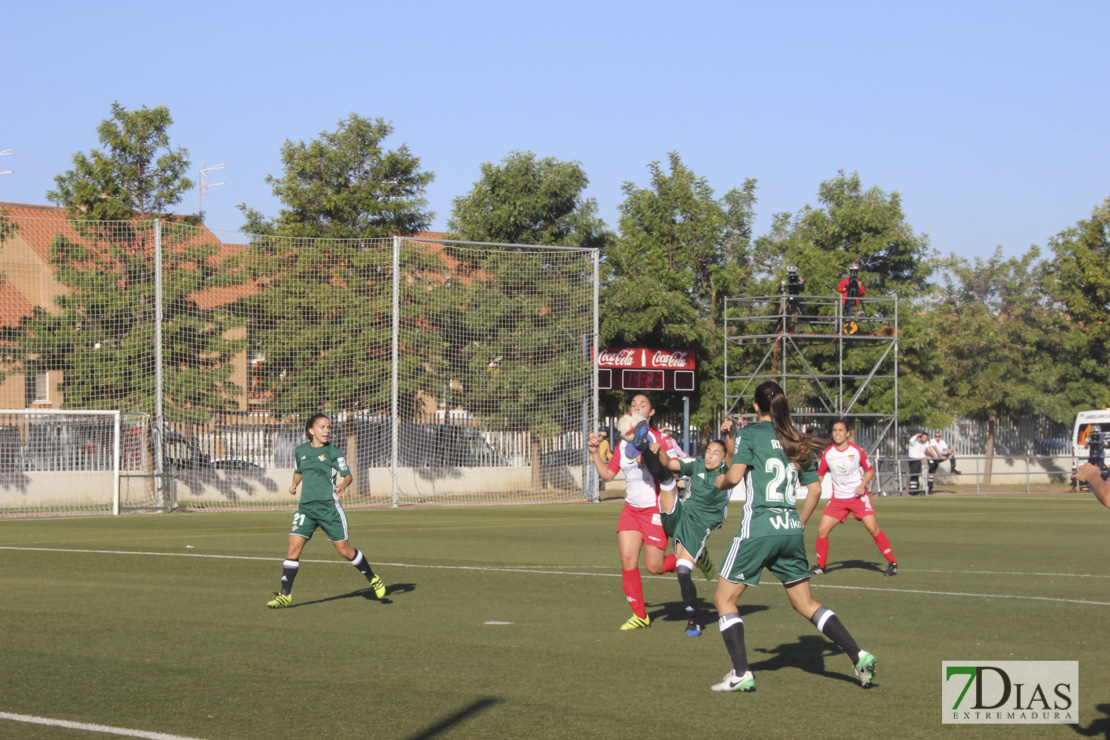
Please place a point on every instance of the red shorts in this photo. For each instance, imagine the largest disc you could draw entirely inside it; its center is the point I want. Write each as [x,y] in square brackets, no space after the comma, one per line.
[859,506]
[645,521]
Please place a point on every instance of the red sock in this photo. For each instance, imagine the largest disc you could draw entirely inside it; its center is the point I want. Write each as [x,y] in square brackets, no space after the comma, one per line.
[634,591]
[884,546]
[822,551]
[670,563]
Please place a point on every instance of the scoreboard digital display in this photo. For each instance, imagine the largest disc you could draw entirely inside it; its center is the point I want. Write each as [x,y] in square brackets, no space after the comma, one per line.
[642,380]
[644,369]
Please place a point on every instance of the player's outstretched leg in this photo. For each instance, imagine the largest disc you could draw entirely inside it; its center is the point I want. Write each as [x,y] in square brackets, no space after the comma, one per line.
[863,662]
[739,678]
[363,565]
[289,570]
[689,596]
[634,593]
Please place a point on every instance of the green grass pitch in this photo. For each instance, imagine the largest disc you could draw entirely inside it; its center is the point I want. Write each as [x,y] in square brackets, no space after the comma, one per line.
[502,622]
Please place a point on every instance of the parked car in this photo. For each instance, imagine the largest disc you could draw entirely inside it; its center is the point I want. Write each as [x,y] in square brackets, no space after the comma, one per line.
[235,463]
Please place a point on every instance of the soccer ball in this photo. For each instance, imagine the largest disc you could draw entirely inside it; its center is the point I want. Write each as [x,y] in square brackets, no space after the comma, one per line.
[626,425]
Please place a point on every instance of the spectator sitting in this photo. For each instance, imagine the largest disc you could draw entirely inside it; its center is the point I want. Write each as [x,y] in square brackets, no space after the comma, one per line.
[944,452]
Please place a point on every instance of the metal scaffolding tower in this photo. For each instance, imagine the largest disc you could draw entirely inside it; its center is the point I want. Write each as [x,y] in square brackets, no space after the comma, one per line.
[815,348]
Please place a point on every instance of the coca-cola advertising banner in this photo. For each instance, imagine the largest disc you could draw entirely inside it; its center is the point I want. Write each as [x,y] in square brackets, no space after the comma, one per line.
[646,358]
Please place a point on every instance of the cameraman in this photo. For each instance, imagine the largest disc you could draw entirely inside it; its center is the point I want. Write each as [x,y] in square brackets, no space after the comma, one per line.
[852,290]
[790,289]
[1092,476]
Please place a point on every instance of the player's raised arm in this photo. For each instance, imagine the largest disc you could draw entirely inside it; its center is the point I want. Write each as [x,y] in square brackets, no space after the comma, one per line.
[729,439]
[603,470]
[734,475]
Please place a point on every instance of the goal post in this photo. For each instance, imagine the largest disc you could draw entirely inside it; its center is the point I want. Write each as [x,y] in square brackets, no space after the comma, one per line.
[60,461]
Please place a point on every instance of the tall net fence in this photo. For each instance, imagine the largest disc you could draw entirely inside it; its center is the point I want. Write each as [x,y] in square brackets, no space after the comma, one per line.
[452,371]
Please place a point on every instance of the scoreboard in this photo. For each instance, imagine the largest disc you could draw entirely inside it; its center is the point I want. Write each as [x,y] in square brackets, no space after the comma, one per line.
[646,369]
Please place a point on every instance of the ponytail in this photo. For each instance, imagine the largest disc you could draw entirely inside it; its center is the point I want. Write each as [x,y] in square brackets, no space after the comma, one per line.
[800,447]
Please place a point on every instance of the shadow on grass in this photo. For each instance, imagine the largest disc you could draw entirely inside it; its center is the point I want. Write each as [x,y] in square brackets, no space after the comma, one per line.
[447,723]
[364,593]
[1100,727]
[675,611]
[853,565]
[808,654]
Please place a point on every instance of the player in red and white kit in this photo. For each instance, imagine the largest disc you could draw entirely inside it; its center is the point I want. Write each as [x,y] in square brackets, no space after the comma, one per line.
[851,471]
[640,527]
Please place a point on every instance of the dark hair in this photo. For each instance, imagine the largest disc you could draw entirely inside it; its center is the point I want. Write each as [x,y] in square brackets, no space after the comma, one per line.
[843,420]
[651,402]
[714,441]
[311,423]
[798,446]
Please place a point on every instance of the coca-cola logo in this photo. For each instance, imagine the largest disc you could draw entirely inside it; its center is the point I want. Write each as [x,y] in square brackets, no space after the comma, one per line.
[616,358]
[665,358]
[644,358]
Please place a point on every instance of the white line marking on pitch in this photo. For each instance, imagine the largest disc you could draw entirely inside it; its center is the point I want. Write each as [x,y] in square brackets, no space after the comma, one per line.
[91,727]
[541,571]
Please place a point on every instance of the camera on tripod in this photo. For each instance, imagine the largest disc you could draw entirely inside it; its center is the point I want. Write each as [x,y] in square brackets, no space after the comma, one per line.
[853,281]
[793,284]
[1096,449]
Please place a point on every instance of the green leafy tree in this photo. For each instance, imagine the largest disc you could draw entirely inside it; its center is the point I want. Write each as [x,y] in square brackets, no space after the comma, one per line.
[346,185]
[522,318]
[866,226]
[323,320]
[1000,339]
[137,175]
[1080,281]
[680,254]
[101,334]
[852,224]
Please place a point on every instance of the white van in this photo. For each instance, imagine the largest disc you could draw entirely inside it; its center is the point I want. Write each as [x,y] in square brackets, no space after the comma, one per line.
[1083,422]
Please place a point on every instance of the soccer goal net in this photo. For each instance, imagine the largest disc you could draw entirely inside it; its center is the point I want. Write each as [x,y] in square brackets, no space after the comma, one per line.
[65,462]
[451,372]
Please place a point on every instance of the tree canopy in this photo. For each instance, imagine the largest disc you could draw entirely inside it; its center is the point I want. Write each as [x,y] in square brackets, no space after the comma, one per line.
[102,332]
[680,253]
[521,327]
[323,320]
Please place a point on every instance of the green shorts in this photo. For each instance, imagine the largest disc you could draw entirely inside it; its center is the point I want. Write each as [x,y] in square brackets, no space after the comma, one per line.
[326,515]
[684,526]
[782,554]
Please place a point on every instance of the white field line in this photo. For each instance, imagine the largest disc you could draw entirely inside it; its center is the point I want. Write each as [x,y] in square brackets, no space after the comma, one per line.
[91,728]
[548,571]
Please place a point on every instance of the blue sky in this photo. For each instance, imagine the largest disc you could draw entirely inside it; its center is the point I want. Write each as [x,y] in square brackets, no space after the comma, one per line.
[989,118]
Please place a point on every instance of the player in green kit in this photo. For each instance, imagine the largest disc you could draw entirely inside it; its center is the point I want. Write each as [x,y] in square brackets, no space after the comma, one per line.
[771,532]
[319,464]
[689,522]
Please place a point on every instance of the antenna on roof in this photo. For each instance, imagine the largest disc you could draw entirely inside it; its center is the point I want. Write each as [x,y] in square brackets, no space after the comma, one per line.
[204,184]
[6,151]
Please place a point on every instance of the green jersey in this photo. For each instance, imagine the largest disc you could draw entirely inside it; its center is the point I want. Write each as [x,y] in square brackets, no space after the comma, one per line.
[705,499]
[769,509]
[320,468]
